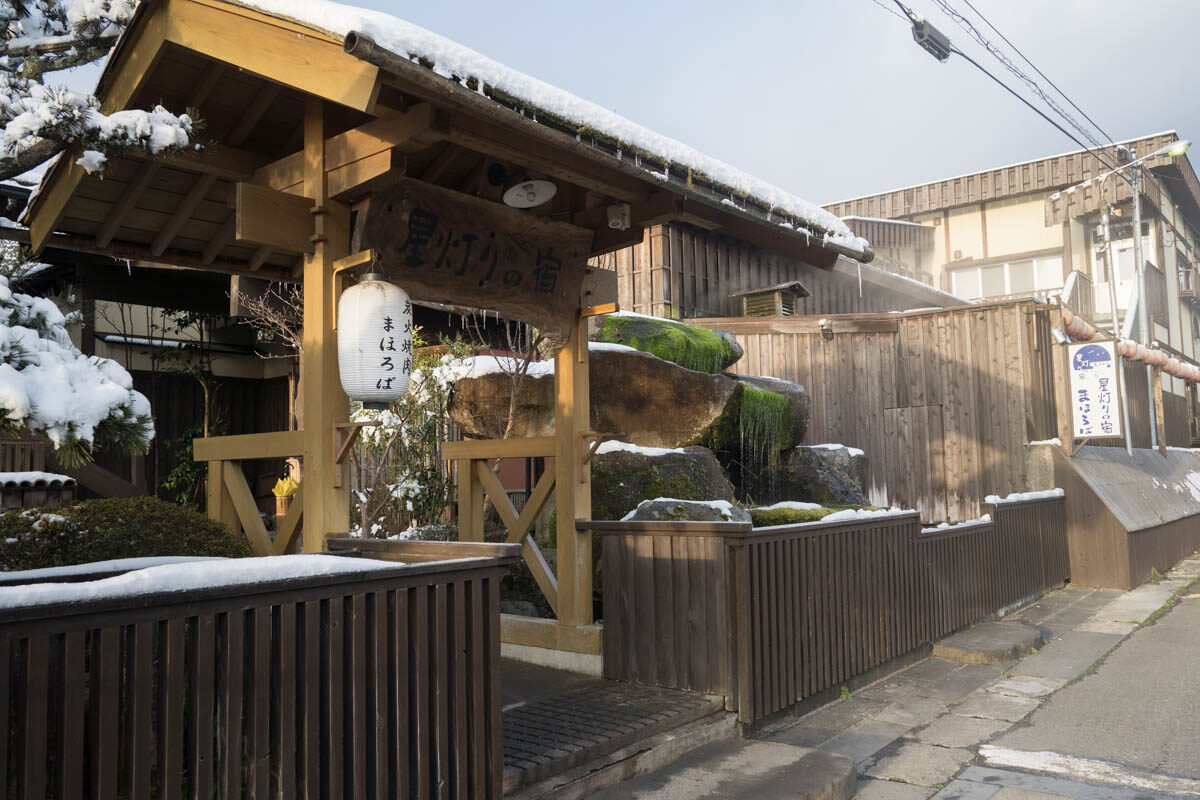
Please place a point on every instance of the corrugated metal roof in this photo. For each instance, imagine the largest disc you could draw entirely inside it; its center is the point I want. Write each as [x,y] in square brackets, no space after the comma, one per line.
[1145,489]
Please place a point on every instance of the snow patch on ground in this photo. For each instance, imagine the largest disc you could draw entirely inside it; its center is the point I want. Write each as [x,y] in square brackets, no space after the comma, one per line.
[1020,497]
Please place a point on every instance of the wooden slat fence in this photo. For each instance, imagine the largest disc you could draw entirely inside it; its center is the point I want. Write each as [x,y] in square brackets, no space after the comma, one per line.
[943,402]
[771,616]
[369,685]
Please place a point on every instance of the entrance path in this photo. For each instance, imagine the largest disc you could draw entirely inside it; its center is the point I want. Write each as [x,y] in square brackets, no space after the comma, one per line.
[1106,710]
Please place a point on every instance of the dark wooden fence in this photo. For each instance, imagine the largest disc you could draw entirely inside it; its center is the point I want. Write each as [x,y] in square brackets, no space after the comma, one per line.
[771,616]
[377,684]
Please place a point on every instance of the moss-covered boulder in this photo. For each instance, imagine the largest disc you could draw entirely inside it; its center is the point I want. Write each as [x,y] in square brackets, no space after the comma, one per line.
[669,509]
[798,401]
[825,474]
[689,346]
[624,475]
[633,394]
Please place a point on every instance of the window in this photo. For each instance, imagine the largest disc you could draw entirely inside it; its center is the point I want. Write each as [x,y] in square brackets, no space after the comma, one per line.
[1028,276]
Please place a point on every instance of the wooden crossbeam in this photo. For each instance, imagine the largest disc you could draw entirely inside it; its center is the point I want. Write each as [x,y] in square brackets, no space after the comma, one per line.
[536,447]
[247,511]
[273,218]
[182,213]
[260,257]
[367,141]
[204,89]
[277,444]
[519,525]
[220,241]
[252,113]
[440,162]
[285,532]
[134,193]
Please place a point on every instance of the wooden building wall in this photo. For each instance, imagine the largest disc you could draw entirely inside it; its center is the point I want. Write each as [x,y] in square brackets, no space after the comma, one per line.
[942,402]
[679,270]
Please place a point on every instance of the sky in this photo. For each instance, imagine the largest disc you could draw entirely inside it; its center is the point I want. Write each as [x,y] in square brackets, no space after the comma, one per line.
[832,100]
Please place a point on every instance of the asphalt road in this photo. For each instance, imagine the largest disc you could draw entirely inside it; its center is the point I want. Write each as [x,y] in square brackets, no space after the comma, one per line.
[1138,708]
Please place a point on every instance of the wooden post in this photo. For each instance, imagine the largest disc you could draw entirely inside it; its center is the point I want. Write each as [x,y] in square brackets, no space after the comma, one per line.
[573,489]
[1159,422]
[220,502]
[470,502]
[326,505]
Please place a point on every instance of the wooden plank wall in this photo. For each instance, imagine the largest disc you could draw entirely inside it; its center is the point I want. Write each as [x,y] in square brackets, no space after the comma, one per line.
[943,403]
[682,271]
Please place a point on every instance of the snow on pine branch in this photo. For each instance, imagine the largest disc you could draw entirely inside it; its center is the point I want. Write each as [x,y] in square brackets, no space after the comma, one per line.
[40,120]
[48,386]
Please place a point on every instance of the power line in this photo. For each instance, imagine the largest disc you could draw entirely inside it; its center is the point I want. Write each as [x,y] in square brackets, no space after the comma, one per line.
[888,9]
[1003,58]
[1040,113]
[1038,71]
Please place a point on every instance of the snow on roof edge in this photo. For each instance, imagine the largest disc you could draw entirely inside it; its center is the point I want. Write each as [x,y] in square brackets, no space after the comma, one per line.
[466,66]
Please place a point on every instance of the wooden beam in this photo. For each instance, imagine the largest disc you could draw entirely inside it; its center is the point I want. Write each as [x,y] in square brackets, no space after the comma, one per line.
[289,53]
[133,61]
[272,218]
[533,632]
[222,240]
[277,444]
[359,178]
[291,523]
[128,201]
[224,161]
[499,448]
[441,161]
[247,509]
[370,139]
[182,213]
[326,498]
[260,257]
[254,112]
[204,89]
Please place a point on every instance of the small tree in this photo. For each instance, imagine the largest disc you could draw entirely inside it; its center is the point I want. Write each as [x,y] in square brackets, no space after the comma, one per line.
[41,121]
[47,386]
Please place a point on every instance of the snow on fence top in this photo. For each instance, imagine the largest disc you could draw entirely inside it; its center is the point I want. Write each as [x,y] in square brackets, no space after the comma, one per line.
[533,98]
[1022,497]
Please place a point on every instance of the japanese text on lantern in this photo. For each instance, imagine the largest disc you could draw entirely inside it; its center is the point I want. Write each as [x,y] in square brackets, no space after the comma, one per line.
[480,256]
[395,347]
[1095,406]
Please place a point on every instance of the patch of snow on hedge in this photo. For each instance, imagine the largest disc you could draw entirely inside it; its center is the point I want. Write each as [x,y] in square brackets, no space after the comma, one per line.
[865,513]
[790,505]
[1020,497]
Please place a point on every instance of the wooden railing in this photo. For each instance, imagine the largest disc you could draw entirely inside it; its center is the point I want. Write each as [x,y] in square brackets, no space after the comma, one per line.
[382,683]
[229,497]
[771,616]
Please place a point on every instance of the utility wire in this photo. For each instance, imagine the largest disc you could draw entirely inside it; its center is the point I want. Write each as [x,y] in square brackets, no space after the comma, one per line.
[1040,113]
[1003,58]
[890,10]
[1038,71]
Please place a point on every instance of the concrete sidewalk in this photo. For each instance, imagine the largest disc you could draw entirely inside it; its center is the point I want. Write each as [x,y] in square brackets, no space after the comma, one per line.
[945,728]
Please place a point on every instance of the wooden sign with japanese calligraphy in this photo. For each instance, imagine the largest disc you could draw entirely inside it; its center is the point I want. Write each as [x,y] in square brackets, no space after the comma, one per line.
[446,247]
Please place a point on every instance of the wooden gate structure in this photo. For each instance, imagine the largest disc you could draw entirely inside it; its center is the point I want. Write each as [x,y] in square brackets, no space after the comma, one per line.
[327,154]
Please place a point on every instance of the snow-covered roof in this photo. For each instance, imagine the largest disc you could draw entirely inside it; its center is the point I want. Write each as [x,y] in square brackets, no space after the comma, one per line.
[656,154]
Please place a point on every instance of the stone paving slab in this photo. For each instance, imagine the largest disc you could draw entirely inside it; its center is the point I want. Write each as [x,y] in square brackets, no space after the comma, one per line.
[1103,626]
[1026,686]
[745,769]
[995,706]
[879,789]
[955,731]
[1058,787]
[1068,656]
[912,711]
[921,764]
[967,790]
[990,643]
[865,739]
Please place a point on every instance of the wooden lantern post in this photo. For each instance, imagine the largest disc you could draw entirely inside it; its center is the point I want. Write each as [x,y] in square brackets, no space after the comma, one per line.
[326,496]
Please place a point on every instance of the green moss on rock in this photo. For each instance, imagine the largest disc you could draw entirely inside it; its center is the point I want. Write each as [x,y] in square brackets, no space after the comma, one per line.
[688,346]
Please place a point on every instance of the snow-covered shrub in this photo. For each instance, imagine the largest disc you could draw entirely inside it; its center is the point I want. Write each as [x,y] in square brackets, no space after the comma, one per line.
[48,386]
[100,530]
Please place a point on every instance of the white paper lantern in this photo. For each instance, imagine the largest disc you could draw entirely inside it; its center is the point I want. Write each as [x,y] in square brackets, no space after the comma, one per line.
[374,341]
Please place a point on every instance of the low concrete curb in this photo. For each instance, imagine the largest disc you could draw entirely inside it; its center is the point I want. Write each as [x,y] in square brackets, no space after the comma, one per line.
[990,643]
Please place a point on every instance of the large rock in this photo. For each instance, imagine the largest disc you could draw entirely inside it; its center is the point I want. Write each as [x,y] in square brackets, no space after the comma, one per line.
[623,478]
[830,475]
[689,346]
[796,395]
[635,395]
[671,510]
